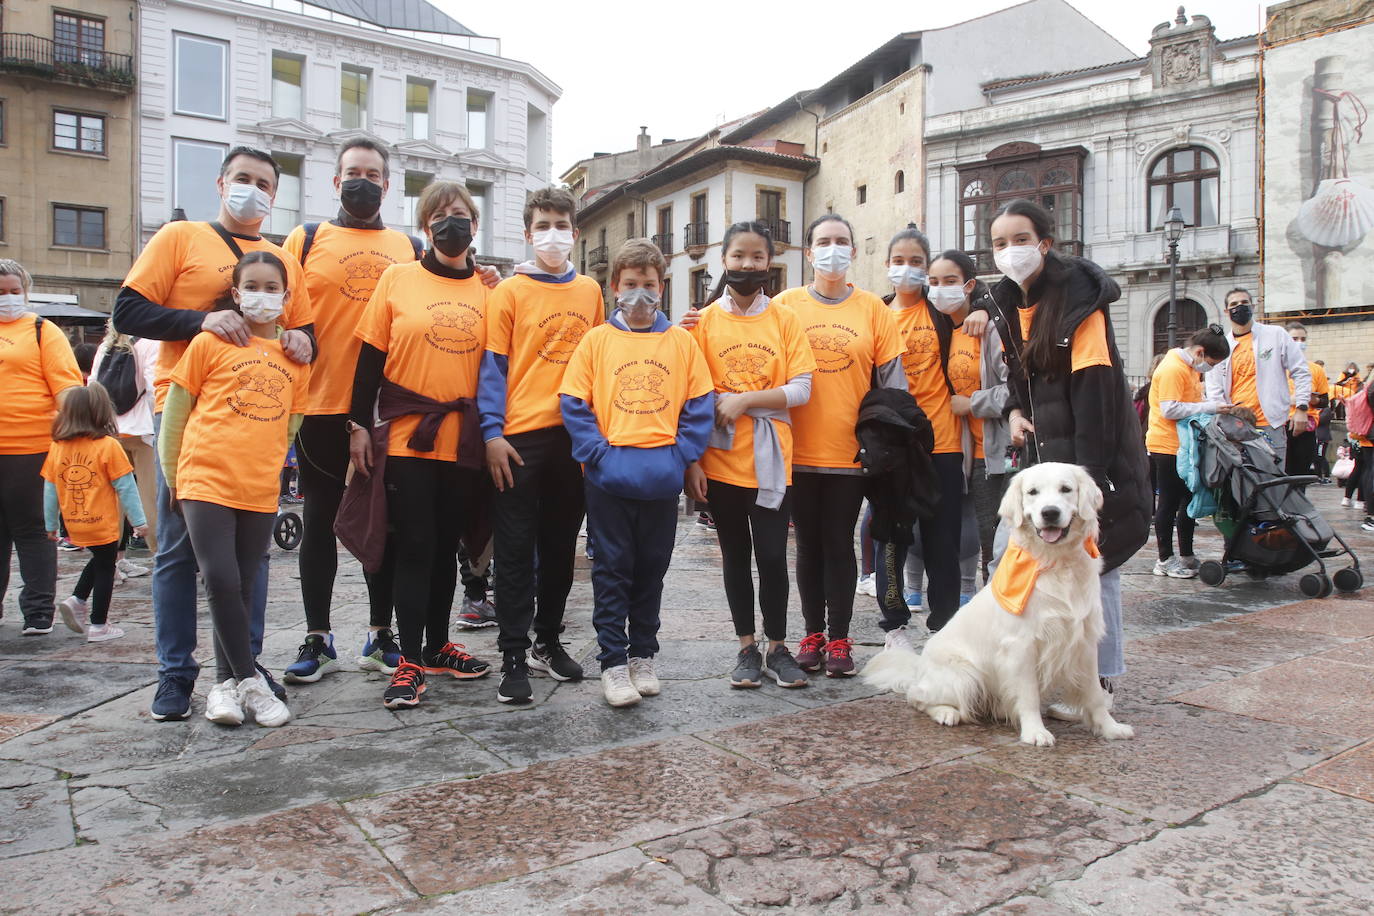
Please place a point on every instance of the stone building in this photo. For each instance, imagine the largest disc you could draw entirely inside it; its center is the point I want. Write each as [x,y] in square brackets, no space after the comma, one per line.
[300,77]
[67,165]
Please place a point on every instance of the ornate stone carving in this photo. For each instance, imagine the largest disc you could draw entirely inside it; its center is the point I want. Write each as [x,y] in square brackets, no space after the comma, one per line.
[1182,64]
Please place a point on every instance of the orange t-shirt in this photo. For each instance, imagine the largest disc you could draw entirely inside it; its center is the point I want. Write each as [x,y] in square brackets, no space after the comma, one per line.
[966,375]
[537,326]
[848,340]
[31,377]
[1320,384]
[236,436]
[343,268]
[1244,390]
[431,329]
[84,471]
[924,378]
[637,382]
[1174,380]
[1089,346]
[750,354]
[187,266]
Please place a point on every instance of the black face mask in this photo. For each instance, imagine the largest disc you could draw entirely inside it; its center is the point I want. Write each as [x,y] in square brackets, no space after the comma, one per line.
[1241,314]
[451,235]
[746,282]
[361,198]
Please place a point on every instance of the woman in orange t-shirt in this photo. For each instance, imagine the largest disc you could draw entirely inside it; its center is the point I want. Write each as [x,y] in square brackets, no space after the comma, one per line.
[854,339]
[229,417]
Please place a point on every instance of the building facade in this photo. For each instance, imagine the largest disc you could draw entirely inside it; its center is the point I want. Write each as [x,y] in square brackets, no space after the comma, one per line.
[301,78]
[67,90]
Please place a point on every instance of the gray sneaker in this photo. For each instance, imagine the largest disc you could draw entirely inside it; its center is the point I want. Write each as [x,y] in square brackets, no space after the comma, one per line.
[748,668]
[783,668]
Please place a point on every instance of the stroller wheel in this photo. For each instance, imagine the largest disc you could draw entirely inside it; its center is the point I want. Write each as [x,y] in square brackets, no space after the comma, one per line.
[286,531]
[1349,579]
[1315,585]
[1212,573]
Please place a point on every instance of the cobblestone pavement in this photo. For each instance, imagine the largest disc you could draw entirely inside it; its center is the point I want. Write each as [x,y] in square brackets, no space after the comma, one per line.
[1248,789]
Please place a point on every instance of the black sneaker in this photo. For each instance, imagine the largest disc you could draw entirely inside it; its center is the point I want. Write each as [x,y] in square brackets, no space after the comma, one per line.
[1368,523]
[748,668]
[173,698]
[705,520]
[554,660]
[405,688]
[37,625]
[453,659]
[515,679]
[278,690]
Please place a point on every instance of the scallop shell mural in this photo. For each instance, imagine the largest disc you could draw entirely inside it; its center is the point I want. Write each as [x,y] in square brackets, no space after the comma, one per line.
[1341,213]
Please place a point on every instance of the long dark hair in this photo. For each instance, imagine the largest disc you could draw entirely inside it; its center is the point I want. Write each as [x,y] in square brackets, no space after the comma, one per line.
[225,302]
[754,227]
[1050,291]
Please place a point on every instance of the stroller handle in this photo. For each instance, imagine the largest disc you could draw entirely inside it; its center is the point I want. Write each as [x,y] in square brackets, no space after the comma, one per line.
[1300,480]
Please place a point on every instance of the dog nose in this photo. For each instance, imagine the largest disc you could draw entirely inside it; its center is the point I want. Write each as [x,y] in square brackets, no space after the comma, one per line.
[1049,514]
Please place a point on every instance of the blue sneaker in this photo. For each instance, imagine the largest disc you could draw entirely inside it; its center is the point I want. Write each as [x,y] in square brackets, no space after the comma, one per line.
[913,601]
[380,652]
[316,657]
[964,599]
[173,698]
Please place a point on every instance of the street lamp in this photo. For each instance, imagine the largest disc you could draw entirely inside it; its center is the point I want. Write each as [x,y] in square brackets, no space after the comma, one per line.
[1173,231]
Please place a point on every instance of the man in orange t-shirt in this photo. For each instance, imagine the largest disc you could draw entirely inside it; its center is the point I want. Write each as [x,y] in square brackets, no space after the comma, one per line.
[169,295]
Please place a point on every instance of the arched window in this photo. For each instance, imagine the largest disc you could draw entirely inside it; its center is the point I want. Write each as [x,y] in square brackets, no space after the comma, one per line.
[1190,317]
[1189,179]
[899,182]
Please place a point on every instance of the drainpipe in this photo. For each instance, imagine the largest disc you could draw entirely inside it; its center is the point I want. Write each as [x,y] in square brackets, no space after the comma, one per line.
[815,151]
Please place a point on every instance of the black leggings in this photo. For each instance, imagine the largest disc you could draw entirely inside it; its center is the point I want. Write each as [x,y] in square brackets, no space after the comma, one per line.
[98,579]
[1358,481]
[748,532]
[825,508]
[229,545]
[1172,505]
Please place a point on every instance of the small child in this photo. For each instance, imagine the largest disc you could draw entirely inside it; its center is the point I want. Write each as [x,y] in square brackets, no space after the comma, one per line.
[639,404]
[230,413]
[89,483]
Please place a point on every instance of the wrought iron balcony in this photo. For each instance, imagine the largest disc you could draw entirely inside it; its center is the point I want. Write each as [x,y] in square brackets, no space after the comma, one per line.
[597,257]
[780,229]
[696,235]
[664,241]
[43,57]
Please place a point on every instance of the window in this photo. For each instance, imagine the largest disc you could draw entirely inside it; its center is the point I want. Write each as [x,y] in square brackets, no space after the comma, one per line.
[862,194]
[899,182]
[195,166]
[353,97]
[667,294]
[1051,178]
[769,206]
[479,104]
[697,231]
[78,39]
[2,219]
[82,133]
[1189,179]
[2,122]
[481,194]
[664,237]
[415,183]
[78,227]
[777,278]
[418,99]
[1190,318]
[629,225]
[199,86]
[700,291]
[286,207]
[583,268]
[536,141]
[287,75]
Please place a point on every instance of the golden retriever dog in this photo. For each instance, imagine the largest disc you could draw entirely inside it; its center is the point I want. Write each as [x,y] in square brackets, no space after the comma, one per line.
[989,663]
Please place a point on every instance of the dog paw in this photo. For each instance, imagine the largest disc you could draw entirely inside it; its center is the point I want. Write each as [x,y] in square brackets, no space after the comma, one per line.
[945,715]
[1115,731]
[1037,737]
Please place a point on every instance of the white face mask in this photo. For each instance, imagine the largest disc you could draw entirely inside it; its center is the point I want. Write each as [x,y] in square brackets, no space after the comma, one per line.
[1019,262]
[1302,345]
[832,261]
[260,308]
[247,203]
[553,244]
[948,299]
[12,305]
[905,278]
[1199,363]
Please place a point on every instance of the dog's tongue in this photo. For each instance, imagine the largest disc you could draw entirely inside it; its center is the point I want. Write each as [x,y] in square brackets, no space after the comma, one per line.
[1051,535]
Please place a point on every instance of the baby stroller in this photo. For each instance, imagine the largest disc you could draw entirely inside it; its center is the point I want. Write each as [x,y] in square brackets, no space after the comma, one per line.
[1266,518]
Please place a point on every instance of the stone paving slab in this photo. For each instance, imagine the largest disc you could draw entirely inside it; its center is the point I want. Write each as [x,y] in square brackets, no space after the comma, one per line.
[1351,773]
[1360,652]
[1234,646]
[13,726]
[37,817]
[1292,849]
[555,813]
[32,688]
[1339,615]
[947,839]
[1313,692]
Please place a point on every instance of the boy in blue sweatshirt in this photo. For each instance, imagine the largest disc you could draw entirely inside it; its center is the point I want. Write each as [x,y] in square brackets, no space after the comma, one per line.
[638,403]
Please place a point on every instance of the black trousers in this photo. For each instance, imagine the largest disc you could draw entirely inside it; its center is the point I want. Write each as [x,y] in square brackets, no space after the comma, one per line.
[1357,484]
[1302,454]
[21,525]
[824,509]
[1171,506]
[941,535]
[537,517]
[229,545]
[97,579]
[751,535]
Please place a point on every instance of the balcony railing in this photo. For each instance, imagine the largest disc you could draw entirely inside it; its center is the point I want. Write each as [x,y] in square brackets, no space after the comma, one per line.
[43,57]
[696,235]
[780,229]
[664,241]
[597,257]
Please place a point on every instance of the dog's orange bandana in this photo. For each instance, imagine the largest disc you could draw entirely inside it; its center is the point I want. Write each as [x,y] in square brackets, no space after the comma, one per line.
[1014,580]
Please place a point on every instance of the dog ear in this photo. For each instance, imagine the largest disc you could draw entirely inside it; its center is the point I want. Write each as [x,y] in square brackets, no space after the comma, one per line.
[1089,498]
[1012,508]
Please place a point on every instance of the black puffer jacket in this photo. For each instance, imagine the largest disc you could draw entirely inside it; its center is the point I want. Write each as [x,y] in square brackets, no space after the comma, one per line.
[895,442]
[1085,417]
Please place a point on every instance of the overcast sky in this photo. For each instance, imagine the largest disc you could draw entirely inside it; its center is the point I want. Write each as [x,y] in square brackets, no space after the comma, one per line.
[682,68]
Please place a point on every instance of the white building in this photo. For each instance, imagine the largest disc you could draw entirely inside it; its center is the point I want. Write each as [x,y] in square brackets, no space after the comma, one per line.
[1109,149]
[300,77]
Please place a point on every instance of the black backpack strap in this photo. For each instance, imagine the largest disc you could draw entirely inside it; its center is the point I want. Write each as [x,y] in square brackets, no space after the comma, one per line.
[38,328]
[310,230]
[418,245]
[228,240]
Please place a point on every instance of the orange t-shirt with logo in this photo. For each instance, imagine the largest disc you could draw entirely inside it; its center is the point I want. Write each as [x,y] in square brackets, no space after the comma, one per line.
[1089,347]
[924,378]
[1174,380]
[84,471]
[756,353]
[432,330]
[1320,385]
[341,272]
[236,435]
[537,326]
[188,266]
[847,340]
[966,375]
[31,377]
[637,382]
[1244,384]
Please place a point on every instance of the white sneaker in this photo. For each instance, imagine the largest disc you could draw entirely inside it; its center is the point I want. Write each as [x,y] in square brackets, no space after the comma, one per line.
[617,686]
[1192,563]
[103,632]
[868,585]
[131,569]
[898,640]
[643,676]
[263,705]
[1174,569]
[1345,502]
[222,705]
[1359,505]
[75,613]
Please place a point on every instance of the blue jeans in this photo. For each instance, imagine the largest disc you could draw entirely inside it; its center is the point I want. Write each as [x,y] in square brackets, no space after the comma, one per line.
[175,589]
[634,545]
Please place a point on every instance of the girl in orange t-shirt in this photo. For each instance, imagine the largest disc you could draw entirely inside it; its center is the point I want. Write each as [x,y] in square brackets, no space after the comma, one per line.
[229,417]
[89,484]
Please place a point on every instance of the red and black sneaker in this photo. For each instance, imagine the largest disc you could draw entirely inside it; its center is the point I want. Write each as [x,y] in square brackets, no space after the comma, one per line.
[453,659]
[405,688]
[811,652]
[839,661]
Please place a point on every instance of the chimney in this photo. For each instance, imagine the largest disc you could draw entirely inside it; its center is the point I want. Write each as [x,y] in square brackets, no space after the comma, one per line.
[642,142]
